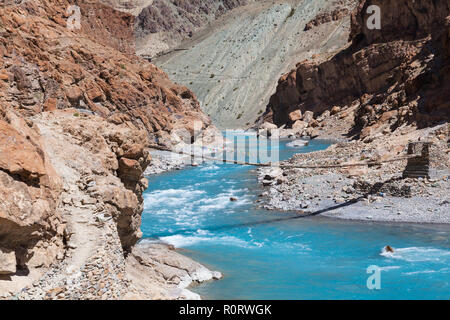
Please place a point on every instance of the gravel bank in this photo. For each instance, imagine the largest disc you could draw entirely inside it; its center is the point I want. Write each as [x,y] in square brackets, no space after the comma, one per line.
[377,193]
[337,196]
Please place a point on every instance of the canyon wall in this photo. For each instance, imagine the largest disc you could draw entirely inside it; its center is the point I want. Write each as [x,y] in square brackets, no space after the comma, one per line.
[45,66]
[77,113]
[31,227]
[386,78]
[163,24]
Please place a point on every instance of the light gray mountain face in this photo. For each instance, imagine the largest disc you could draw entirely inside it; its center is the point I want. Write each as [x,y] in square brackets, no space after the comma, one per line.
[161,25]
[232,59]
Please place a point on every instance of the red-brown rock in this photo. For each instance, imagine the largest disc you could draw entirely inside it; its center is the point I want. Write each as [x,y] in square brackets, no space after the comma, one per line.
[399,74]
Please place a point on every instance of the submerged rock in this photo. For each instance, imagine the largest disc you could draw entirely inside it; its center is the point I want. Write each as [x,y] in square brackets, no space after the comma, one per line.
[298,143]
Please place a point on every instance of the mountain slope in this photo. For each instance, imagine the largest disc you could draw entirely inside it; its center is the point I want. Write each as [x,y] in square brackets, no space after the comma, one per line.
[231,65]
[45,66]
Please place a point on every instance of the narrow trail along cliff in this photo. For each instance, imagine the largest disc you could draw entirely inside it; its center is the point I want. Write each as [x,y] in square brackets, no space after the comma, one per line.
[77,112]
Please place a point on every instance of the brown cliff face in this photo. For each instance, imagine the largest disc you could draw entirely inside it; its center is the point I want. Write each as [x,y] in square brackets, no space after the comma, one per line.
[77,112]
[104,161]
[396,75]
[182,17]
[30,223]
[340,11]
[45,66]
[107,26]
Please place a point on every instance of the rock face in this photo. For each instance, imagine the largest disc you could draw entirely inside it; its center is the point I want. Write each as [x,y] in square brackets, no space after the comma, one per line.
[95,216]
[151,261]
[8,262]
[385,79]
[106,162]
[108,26]
[339,11]
[30,223]
[45,66]
[77,114]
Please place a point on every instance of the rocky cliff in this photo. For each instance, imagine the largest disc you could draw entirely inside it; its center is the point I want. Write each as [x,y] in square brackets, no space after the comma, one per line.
[31,227]
[385,79]
[77,113]
[45,66]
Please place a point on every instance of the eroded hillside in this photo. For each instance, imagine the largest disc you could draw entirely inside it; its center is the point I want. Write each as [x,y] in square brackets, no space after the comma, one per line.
[231,65]
[385,97]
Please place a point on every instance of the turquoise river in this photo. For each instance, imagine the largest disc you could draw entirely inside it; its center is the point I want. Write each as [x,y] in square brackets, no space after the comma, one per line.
[277,255]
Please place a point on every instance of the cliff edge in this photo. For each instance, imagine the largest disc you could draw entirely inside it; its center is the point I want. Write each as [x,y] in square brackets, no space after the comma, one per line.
[78,112]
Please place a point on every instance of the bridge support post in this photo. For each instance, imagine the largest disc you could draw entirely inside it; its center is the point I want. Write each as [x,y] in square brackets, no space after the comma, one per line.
[418,167]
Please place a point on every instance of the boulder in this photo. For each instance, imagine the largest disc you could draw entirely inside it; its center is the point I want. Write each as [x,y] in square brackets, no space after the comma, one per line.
[268,126]
[299,125]
[7,262]
[74,95]
[311,132]
[286,133]
[51,104]
[297,143]
[295,115]
[129,169]
[308,116]
[272,173]
[335,110]
[313,123]
[324,115]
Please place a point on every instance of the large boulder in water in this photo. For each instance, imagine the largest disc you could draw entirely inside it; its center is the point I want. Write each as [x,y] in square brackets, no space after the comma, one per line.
[298,143]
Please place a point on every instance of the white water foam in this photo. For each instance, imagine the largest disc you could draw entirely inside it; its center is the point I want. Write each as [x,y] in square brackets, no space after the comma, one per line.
[219,202]
[188,207]
[181,241]
[210,168]
[442,270]
[170,197]
[417,254]
[389,268]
